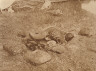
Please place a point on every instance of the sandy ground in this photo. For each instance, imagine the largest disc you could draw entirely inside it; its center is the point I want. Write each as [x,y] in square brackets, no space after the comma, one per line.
[73,18]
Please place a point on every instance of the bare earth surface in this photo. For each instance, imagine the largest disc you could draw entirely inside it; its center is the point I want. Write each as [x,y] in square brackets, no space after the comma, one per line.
[82,58]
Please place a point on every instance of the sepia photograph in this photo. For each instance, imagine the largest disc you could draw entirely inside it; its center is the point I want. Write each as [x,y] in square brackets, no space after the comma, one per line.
[47,35]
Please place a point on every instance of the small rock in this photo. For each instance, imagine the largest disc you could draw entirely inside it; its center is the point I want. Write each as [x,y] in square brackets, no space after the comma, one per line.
[84,32]
[55,34]
[31,46]
[42,43]
[47,39]
[37,57]
[59,49]
[51,43]
[29,43]
[69,36]
[14,50]
[27,39]
[10,10]
[38,35]
[33,42]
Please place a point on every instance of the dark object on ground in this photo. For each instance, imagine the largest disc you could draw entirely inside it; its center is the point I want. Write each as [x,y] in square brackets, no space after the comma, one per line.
[69,36]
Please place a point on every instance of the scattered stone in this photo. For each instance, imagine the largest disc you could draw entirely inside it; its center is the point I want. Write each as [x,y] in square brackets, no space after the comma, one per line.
[59,49]
[30,44]
[38,35]
[84,32]
[37,57]
[56,48]
[43,43]
[50,33]
[33,42]
[47,39]
[51,43]
[14,50]
[69,36]
[55,34]
[27,39]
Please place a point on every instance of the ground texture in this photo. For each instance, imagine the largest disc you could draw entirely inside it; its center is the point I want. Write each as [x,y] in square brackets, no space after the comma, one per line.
[74,18]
